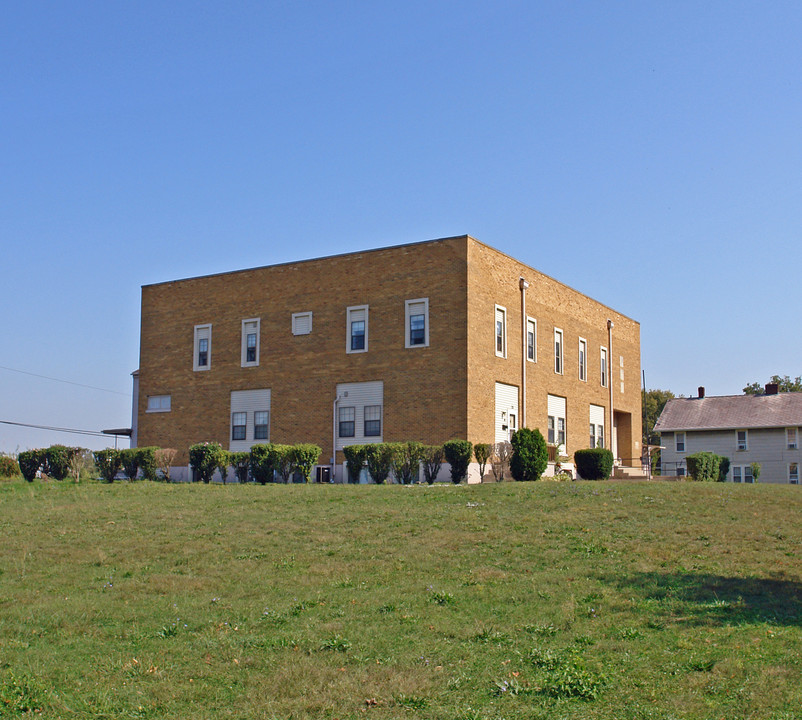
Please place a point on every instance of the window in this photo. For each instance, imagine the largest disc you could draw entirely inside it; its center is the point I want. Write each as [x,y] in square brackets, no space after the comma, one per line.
[558,351]
[531,339]
[603,366]
[740,440]
[302,323]
[347,422]
[596,436]
[736,474]
[551,426]
[158,403]
[790,434]
[592,436]
[203,347]
[238,422]
[373,420]
[357,322]
[679,439]
[261,424]
[748,474]
[416,314]
[681,472]
[583,359]
[250,343]
[793,473]
[501,331]
[561,431]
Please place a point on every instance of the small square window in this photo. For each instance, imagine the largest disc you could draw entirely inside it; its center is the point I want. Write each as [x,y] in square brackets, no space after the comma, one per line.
[347,422]
[373,421]
[302,323]
[238,422]
[261,423]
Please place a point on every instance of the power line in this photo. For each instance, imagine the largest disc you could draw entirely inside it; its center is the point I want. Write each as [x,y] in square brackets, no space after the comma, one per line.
[74,431]
[68,382]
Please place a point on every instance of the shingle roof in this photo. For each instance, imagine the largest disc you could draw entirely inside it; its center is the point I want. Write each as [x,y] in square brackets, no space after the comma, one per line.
[730,412]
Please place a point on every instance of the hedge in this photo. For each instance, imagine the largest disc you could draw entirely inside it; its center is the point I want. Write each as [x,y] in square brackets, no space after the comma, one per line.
[594,463]
[108,462]
[530,456]
[355,456]
[703,466]
[458,454]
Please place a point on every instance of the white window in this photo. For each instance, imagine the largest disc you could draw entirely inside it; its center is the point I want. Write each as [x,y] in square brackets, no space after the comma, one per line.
[596,426]
[592,436]
[250,418]
[202,351]
[360,413]
[261,424]
[357,329]
[373,421]
[301,323]
[551,435]
[347,423]
[603,366]
[416,322]
[158,403]
[736,474]
[790,434]
[748,474]
[793,473]
[740,440]
[250,343]
[556,420]
[501,331]
[679,439]
[558,351]
[583,359]
[531,339]
[238,422]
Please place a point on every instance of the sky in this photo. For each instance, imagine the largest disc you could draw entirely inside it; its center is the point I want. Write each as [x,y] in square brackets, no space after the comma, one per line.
[648,154]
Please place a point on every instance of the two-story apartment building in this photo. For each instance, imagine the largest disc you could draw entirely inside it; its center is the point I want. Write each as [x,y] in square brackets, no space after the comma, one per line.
[747,429]
[428,341]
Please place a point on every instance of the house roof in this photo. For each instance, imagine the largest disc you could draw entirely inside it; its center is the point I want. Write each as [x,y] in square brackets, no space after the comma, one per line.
[731,412]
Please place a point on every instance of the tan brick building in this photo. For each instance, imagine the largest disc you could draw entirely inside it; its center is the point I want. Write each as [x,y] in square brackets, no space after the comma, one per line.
[428,341]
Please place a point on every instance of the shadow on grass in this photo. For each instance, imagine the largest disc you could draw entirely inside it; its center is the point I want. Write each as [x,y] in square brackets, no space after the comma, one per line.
[706,599]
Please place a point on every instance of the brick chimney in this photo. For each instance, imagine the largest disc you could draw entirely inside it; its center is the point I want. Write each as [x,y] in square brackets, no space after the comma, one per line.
[772,388]
[701,391]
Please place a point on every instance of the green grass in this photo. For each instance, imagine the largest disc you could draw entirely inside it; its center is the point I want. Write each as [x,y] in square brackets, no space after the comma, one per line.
[541,600]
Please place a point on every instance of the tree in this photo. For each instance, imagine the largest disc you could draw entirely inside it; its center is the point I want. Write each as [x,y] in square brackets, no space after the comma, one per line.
[205,458]
[164,458]
[77,463]
[108,463]
[30,461]
[432,461]
[57,459]
[354,461]
[283,461]
[458,454]
[380,461]
[784,384]
[304,457]
[755,466]
[500,460]
[241,462]
[530,456]
[130,460]
[406,457]
[147,462]
[652,404]
[223,461]
[263,462]
[481,451]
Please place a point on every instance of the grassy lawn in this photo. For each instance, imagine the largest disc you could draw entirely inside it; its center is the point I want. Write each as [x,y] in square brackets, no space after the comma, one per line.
[540,600]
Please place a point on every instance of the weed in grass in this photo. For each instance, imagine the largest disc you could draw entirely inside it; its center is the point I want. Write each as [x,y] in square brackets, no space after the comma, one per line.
[411,702]
[336,643]
[388,608]
[439,597]
[504,687]
[20,695]
[541,630]
[167,631]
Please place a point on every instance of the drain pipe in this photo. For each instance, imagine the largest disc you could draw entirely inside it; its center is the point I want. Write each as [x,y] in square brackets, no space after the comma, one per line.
[610,376]
[523,284]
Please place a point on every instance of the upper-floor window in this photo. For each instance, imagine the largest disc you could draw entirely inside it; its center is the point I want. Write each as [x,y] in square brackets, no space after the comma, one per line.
[158,403]
[250,343]
[741,440]
[679,441]
[501,331]
[261,425]
[238,423]
[558,351]
[416,321]
[357,329]
[583,359]
[373,420]
[603,366]
[301,323]
[202,351]
[531,339]
[790,434]
[347,422]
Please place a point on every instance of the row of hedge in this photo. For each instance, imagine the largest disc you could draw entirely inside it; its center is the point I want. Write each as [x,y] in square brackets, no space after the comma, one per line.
[263,463]
[57,462]
[709,467]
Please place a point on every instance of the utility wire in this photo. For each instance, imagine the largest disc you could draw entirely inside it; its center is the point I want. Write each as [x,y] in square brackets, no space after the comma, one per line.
[95,433]
[68,382]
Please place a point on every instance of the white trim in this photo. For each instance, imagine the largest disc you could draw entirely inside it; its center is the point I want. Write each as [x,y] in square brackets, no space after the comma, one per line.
[409,305]
[244,344]
[791,444]
[500,312]
[531,324]
[559,356]
[202,332]
[159,404]
[360,313]
[738,447]
[603,369]
[583,359]
[684,442]
[793,479]
[299,326]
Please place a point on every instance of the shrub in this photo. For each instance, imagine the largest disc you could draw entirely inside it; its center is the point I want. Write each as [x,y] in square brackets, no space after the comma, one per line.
[530,456]
[406,459]
[283,460]
[80,462]
[432,456]
[241,462]
[481,451]
[57,459]
[354,461]
[108,462]
[222,465]
[458,454]
[147,462]
[263,462]
[379,457]
[205,458]
[723,468]
[129,457]
[8,466]
[30,461]
[703,466]
[304,457]
[755,471]
[594,463]
[500,460]
[164,458]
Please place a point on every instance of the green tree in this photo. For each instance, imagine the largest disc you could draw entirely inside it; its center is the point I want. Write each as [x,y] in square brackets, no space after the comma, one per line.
[263,462]
[458,455]
[354,461]
[652,404]
[205,458]
[380,461]
[406,457]
[530,456]
[784,383]
[482,451]
[755,466]
[304,457]
[108,462]
[130,460]
[432,460]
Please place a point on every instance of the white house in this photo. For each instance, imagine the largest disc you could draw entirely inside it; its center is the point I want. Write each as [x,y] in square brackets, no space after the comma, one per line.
[747,429]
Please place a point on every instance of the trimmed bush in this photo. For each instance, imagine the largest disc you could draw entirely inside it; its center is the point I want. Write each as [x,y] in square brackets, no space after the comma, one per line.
[284,463]
[432,456]
[205,458]
[164,458]
[129,457]
[703,466]
[263,462]
[147,462]
[482,451]
[755,466]
[222,465]
[594,463]
[406,457]
[8,466]
[29,463]
[530,456]
[304,458]
[355,456]
[108,462]
[458,454]
[241,462]
[723,468]
[57,460]
[379,457]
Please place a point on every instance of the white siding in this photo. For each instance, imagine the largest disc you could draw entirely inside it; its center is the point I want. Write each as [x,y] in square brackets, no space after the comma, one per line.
[358,396]
[506,405]
[248,401]
[596,414]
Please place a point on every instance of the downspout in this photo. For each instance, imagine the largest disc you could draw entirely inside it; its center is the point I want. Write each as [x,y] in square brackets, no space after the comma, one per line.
[522,410]
[610,376]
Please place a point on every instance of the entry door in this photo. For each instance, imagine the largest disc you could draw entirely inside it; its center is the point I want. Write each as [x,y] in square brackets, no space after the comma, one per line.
[506,420]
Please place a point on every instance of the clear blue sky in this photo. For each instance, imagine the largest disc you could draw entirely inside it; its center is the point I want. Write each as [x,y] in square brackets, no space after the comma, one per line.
[647,154]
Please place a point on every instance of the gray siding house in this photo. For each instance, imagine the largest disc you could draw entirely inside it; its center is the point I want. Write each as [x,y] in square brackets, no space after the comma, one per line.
[744,428]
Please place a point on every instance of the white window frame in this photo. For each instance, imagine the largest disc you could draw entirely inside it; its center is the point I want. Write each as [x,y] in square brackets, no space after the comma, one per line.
[349,313]
[340,421]
[239,414]
[559,351]
[267,425]
[159,403]
[793,478]
[366,420]
[500,311]
[296,318]
[677,442]
[739,446]
[583,359]
[247,325]
[603,366]
[531,329]
[791,438]
[200,330]
[408,305]
[551,430]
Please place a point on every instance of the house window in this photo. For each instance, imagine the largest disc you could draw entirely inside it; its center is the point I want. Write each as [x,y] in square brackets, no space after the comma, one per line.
[681,472]
[736,474]
[740,440]
[793,473]
[158,403]
[301,323]
[592,436]
[679,439]
[561,431]
[357,328]
[790,434]
[596,436]
[373,420]
[238,422]
[551,426]
[531,339]
[583,359]
[250,343]
[748,474]
[347,422]
[501,331]
[416,313]
[261,423]
[202,347]
[558,351]
[603,366]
